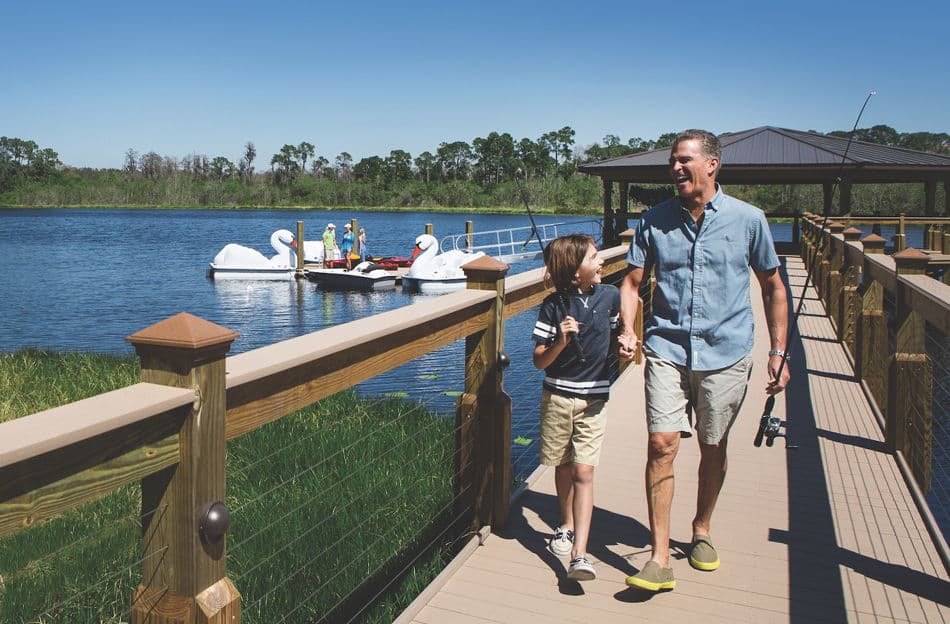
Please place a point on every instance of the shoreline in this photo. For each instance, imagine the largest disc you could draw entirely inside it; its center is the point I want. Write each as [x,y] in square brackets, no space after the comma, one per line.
[435,209]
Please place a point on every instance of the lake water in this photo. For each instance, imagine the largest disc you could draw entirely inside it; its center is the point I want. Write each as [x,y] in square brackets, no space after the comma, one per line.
[75,279]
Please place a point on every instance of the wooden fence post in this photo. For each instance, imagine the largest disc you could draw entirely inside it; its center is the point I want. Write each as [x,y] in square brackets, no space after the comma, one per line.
[849,304]
[910,377]
[871,340]
[900,238]
[835,248]
[469,230]
[484,409]
[183,570]
[298,272]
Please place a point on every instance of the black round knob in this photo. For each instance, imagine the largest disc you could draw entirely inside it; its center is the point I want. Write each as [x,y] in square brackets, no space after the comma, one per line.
[503,360]
[215,522]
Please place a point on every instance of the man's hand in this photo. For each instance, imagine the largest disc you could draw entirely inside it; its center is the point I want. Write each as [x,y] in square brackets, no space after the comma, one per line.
[628,346]
[776,385]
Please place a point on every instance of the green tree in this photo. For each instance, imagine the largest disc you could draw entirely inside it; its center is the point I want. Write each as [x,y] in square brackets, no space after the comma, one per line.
[305,151]
[455,159]
[427,165]
[397,167]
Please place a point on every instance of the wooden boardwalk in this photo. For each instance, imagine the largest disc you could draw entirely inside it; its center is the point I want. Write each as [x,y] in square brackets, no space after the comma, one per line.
[825,533]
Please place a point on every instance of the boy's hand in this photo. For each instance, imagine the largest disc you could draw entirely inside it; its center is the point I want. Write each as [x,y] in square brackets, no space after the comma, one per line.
[568,326]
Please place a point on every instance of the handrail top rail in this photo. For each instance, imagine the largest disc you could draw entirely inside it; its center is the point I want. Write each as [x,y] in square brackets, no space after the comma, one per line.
[930,298]
[280,356]
[59,427]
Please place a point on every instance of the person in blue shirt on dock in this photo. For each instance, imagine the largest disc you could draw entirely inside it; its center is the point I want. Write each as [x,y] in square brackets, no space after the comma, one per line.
[347,247]
[699,334]
[575,331]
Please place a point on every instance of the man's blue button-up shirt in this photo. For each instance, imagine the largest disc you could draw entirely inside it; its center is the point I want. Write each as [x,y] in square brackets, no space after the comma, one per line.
[701,316]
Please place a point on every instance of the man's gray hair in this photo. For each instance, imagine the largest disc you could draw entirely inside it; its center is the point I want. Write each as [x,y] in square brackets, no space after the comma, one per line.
[711,147]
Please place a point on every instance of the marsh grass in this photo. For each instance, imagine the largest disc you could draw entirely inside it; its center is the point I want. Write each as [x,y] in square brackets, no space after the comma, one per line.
[331,506]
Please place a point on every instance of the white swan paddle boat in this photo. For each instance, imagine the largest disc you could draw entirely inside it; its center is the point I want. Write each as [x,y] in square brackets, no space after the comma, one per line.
[237,262]
[364,276]
[435,273]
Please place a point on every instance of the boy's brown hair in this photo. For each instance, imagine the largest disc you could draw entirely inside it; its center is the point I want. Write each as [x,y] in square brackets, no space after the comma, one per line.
[563,256]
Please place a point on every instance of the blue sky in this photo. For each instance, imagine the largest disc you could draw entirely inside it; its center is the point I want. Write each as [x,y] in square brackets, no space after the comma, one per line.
[93,79]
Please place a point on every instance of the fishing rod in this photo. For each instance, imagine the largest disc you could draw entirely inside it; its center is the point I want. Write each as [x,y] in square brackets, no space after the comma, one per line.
[562,307]
[769,426]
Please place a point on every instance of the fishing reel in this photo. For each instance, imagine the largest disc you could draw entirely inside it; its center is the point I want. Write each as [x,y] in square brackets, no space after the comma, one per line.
[770,427]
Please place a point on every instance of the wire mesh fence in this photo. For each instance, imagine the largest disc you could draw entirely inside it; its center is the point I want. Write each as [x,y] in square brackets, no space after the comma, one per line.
[938,498]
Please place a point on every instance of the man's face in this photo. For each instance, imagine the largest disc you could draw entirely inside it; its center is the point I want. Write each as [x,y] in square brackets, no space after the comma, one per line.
[692,173]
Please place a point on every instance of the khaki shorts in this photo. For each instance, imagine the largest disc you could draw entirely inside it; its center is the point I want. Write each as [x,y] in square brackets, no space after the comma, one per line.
[572,429]
[674,393]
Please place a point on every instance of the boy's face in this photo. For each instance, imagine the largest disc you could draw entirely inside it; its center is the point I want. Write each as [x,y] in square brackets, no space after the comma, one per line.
[589,272]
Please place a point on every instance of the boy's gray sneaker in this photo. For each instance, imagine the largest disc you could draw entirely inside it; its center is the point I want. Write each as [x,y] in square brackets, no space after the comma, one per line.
[581,569]
[562,541]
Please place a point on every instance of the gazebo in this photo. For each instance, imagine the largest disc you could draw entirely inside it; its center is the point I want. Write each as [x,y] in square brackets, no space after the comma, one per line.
[769,155]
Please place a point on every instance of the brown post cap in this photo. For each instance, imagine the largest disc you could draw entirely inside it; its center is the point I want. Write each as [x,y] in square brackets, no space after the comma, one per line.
[836,227]
[873,243]
[852,234]
[628,234]
[185,332]
[911,261]
[484,268]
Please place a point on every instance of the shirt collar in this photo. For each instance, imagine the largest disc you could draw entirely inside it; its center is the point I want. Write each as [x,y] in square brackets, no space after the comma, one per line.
[713,203]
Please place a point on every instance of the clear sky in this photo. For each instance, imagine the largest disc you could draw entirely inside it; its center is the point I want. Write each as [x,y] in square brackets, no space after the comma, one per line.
[93,79]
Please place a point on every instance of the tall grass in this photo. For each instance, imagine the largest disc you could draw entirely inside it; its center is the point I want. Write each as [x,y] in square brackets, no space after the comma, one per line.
[330,504]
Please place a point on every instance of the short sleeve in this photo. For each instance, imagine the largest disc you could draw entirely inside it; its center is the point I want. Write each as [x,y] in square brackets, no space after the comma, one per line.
[640,247]
[545,329]
[762,256]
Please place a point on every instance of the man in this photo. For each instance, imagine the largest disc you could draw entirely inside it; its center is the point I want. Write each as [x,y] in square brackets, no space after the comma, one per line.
[698,335]
[329,244]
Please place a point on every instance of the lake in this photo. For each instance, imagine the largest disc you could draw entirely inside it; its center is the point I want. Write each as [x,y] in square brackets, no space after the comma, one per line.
[76,279]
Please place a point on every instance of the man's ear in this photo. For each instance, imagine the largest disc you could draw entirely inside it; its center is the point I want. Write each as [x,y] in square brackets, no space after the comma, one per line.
[712,166]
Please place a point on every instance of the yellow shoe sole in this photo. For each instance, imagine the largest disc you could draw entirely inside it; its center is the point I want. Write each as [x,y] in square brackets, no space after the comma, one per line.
[705,566]
[633,581]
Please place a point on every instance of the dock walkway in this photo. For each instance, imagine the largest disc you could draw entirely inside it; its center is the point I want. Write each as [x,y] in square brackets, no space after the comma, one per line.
[824,533]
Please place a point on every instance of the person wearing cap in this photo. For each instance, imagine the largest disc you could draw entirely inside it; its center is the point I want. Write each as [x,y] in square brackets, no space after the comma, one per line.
[347,247]
[329,244]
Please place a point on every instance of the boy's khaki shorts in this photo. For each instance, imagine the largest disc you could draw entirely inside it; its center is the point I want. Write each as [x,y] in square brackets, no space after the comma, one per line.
[572,429]
[674,393]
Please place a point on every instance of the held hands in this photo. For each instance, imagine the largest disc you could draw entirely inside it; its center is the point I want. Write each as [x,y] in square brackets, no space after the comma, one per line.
[775,384]
[627,346]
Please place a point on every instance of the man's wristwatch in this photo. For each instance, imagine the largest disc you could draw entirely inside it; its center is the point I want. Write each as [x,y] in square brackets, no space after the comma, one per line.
[779,353]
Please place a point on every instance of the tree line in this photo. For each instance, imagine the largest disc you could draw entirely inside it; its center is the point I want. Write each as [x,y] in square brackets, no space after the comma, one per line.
[488,171]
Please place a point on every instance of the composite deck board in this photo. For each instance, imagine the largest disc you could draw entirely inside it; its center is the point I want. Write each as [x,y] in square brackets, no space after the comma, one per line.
[824,533]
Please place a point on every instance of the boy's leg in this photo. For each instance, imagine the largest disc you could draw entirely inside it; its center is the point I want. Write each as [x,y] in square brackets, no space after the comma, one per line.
[583,505]
[564,485]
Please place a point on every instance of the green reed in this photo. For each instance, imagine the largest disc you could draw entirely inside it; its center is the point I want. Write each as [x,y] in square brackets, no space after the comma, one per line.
[329,505]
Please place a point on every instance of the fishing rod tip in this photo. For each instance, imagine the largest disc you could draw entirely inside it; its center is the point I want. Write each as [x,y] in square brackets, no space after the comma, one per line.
[872,92]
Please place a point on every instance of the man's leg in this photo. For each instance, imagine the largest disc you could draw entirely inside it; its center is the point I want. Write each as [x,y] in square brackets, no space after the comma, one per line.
[659,485]
[712,474]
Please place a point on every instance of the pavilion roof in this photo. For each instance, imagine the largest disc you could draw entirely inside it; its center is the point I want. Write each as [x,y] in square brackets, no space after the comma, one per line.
[770,155]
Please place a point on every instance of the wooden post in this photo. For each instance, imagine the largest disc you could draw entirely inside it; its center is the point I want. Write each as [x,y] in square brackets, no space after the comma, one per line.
[183,570]
[469,230]
[930,198]
[429,229]
[910,377]
[484,409]
[900,239]
[849,305]
[624,208]
[609,232]
[355,228]
[298,272]
[844,197]
[827,197]
[796,233]
[871,340]
[835,262]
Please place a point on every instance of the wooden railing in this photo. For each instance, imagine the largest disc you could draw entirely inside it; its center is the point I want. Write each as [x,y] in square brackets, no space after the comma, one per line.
[852,277]
[168,432]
